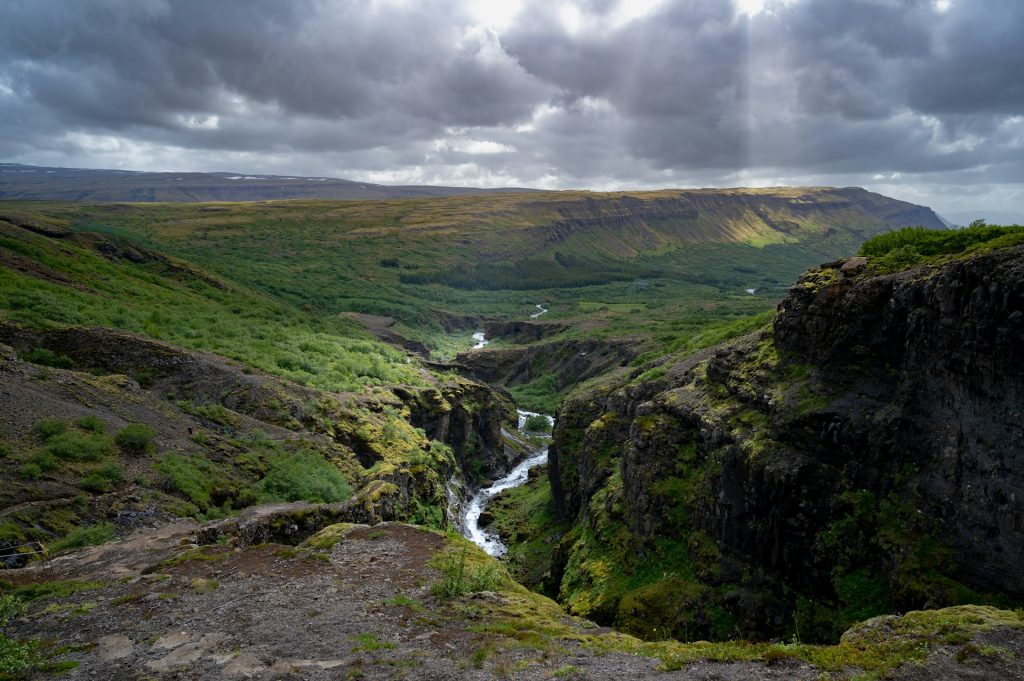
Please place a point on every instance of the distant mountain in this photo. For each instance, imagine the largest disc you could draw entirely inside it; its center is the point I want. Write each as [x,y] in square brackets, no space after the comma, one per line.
[992,217]
[19,181]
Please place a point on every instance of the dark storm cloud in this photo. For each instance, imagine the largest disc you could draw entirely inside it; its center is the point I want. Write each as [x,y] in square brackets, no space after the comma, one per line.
[919,92]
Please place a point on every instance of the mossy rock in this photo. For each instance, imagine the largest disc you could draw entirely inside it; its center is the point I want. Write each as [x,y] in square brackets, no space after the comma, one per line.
[955,624]
[671,607]
[326,538]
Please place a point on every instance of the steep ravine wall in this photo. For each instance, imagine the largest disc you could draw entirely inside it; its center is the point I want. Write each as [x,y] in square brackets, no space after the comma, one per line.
[861,456]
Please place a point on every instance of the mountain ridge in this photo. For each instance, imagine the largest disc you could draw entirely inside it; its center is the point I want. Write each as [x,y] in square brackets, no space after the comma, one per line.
[44,183]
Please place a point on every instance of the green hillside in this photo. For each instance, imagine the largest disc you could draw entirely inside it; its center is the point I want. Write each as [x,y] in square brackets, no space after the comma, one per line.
[658,264]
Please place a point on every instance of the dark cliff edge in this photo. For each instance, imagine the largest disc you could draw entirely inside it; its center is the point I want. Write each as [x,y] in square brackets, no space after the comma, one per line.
[859,457]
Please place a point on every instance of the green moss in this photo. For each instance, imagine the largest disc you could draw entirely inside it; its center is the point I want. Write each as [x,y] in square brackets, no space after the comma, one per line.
[326,538]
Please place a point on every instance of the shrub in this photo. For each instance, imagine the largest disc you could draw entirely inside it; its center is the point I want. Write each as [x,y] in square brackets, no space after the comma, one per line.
[136,438]
[15,657]
[10,607]
[303,476]
[457,578]
[47,428]
[44,460]
[904,247]
[537,423]
[48,358]
[185,476]
[75,446]
[84,536]
[30,471]
[103,479]
[91,423]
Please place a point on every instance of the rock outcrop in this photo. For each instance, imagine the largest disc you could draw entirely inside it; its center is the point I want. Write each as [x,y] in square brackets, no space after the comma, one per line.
[861,456]
[569,361]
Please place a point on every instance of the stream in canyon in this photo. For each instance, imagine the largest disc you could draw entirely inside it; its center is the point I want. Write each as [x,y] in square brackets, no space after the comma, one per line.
[483,537]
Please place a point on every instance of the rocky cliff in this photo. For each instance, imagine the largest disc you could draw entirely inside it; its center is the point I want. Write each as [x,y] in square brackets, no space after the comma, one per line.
[862,455]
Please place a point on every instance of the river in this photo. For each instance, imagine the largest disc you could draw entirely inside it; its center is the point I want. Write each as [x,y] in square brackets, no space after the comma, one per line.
[483,537]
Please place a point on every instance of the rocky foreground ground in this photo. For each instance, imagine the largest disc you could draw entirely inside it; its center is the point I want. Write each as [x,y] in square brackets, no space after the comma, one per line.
[399,601]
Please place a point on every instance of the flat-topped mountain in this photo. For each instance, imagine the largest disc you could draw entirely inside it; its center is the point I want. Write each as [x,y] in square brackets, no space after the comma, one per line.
[19,181]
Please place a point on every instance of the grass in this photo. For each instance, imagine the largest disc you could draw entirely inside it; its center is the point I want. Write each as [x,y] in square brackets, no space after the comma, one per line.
[177,302]
[404,259]
[54,589]
[461,574]
[370,643]
[403,601]
[83,536]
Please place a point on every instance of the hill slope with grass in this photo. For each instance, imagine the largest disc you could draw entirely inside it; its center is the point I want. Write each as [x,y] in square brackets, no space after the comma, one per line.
[183,380]
[138,387]
[658,269]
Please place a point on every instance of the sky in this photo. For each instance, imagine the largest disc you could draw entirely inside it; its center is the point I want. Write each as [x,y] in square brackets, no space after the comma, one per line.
[918,99]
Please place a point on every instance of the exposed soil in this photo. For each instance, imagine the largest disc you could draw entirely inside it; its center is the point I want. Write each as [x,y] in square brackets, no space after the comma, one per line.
[362,609]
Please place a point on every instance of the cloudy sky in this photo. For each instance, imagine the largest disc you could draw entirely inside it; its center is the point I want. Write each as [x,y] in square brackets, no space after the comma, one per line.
[919,99]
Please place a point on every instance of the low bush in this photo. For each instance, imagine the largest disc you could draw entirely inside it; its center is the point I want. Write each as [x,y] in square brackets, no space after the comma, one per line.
[185,476]
[458,578]
[904,247]
[303,476]
[76,446]
[136,438]
[47,428]
[103,479]
[91,423]
[537,423]
[48,358]
[30,471]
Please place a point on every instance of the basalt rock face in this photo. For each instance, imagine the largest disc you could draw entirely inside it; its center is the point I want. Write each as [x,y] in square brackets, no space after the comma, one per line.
[862,455]
[523,332]
[633,223]
[571,361]
[469,417]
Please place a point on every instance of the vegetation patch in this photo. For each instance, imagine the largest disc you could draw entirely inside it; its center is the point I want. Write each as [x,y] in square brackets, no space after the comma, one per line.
[84,536]
[465,571]
[900,249]
[136,439]
[303,476]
